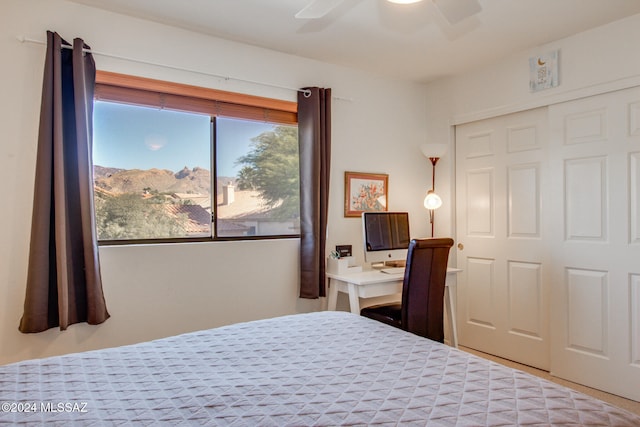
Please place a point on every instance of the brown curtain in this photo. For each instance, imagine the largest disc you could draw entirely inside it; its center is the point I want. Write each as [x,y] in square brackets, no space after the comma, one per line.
[63,281]
[314,135]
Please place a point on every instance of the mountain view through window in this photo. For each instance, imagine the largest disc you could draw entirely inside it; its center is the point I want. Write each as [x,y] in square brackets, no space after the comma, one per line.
[153,175]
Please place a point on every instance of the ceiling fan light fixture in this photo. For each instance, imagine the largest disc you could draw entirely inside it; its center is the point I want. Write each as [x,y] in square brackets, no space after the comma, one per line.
[404,1]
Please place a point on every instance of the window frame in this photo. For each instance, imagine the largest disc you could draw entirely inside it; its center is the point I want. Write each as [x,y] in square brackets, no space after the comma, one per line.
[146,92]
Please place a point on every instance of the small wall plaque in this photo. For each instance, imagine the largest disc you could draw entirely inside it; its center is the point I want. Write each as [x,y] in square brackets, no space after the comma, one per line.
[543,71]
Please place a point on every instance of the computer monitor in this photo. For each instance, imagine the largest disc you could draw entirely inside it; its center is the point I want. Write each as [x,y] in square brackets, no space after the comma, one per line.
[386,237]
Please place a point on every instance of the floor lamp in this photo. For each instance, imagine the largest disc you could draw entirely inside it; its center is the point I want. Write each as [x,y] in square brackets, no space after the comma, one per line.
[432,201]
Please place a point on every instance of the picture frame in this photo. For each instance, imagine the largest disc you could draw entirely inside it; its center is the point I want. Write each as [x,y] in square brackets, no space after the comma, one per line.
[543,71]
[365,192]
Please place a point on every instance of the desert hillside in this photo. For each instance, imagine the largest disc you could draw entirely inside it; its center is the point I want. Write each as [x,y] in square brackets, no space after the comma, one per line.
[119,181]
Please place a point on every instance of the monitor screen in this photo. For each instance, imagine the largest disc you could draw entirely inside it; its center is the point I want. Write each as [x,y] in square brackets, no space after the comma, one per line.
[386,236]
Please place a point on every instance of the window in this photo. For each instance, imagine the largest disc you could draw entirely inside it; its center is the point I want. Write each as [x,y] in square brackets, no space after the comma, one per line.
[257,178]
[170,165]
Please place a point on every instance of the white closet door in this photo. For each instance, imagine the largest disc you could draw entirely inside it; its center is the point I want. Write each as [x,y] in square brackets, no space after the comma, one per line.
[501,171]
[595,241]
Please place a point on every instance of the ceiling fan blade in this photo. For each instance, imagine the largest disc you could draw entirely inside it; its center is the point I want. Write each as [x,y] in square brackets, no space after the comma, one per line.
[317,9]
[455,11]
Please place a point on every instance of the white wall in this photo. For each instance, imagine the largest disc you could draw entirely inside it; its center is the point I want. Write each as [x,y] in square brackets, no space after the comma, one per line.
[155,291]
[595,61]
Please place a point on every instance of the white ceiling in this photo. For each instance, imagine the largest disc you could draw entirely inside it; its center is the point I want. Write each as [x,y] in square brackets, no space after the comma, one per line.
[412,42]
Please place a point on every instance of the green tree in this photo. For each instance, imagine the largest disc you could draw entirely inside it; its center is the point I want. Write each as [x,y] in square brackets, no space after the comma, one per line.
[272,168]
[129,216]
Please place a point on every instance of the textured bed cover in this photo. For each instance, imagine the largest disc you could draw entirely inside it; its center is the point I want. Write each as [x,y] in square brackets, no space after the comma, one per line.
[327,368]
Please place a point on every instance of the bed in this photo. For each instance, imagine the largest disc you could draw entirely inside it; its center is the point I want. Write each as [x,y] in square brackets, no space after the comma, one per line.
[325,368]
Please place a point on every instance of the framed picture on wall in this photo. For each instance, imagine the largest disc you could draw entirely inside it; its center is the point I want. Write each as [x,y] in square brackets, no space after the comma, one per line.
[365,192]
[543,71]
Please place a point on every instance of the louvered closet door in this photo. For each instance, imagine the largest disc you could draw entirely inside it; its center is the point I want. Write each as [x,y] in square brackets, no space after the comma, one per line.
[595,241]
[501,171]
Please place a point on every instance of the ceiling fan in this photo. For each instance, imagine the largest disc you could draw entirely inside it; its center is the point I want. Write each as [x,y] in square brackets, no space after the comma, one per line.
[453,11]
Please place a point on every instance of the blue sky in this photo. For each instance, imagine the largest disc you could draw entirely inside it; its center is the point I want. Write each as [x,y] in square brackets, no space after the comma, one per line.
[132,137]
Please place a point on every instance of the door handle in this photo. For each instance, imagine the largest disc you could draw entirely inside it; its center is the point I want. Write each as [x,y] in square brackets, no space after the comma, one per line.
[460,246]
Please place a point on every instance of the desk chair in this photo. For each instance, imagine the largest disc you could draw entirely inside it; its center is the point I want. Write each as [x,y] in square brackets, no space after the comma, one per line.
[421,309]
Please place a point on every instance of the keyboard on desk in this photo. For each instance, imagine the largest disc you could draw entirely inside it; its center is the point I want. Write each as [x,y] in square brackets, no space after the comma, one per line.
[393,270]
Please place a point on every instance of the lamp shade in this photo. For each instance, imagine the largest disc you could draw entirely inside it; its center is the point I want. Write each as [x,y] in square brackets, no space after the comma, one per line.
[434,149]
[432,200]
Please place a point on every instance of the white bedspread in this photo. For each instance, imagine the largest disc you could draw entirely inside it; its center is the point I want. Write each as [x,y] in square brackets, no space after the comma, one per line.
[328,368]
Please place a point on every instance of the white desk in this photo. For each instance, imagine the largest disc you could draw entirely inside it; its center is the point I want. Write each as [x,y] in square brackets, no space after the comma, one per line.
[374,283]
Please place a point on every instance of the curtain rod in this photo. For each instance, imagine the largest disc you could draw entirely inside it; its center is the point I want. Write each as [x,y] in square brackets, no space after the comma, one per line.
[23,39]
